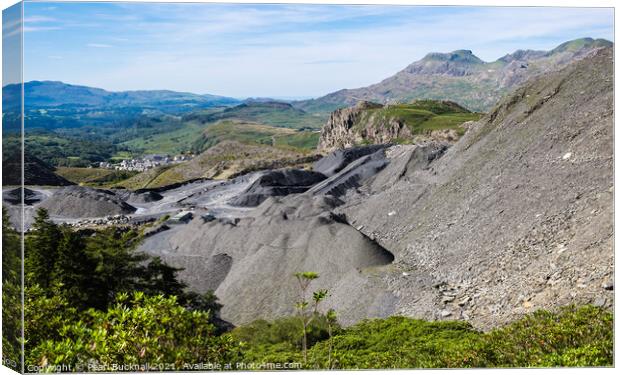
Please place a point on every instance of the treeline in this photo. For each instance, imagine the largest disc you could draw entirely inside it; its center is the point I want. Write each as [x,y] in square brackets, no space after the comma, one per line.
[90,297]
[60,151]
[11,294]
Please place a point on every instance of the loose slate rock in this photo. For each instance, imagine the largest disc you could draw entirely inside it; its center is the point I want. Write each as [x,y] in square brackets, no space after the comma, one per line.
[84,202]
[277,183]
[337,160]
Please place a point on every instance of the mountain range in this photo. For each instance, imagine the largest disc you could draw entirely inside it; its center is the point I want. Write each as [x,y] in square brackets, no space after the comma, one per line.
[459,76]
[49,94]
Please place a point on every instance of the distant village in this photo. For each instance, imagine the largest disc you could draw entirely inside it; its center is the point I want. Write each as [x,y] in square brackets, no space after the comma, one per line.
[146,162]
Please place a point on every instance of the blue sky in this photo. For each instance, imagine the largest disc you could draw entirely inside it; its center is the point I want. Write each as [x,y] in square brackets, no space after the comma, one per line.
[290,51]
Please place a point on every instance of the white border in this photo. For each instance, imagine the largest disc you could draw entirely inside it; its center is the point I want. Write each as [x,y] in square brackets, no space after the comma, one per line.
[505,3]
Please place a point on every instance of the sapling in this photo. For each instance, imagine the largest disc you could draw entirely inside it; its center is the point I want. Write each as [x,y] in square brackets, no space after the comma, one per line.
[307,316]
[331,321]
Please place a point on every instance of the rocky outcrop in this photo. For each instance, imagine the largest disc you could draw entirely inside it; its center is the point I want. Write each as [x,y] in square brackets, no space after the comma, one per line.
[339,130]
[372,123]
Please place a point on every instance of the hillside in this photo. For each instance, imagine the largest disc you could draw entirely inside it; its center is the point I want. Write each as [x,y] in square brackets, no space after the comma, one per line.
[93,176]
[265,112]
[36,172]
[517,216]
[372,123]
[224,160]
[51,105]
[248,132]
[459,76]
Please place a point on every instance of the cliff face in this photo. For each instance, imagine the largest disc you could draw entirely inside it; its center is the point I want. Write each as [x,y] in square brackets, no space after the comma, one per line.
[340,130]
[372,123]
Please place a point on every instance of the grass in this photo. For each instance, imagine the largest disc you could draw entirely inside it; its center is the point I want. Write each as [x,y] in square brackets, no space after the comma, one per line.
[143,179]
[122,155]
[300,140]
[223,160]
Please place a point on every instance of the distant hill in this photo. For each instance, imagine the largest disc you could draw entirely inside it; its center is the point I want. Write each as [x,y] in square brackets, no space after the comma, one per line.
[248,132]
[459,76]
[46,94]
[368,123]
[268,112]
[54,105]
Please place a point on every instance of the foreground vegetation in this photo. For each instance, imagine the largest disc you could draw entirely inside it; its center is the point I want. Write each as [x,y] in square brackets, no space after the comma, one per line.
[93,303]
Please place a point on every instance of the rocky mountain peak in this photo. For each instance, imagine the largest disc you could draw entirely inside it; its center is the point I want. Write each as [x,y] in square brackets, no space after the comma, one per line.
[461,55]
[461,76]
[457,63]
[521,54]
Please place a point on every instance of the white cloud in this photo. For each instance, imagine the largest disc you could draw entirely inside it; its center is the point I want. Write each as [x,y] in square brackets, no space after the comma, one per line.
[40,28]
[39,19]
[98,45]
[289,50]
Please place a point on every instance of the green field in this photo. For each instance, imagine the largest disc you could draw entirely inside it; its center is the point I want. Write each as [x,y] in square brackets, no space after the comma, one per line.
[276,124]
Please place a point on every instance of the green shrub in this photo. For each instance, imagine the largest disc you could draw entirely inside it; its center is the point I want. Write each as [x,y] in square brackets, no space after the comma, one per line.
[399,342]
[139,330]
[573,336]
[279,340]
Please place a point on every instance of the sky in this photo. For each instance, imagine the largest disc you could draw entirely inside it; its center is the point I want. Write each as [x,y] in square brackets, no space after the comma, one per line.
[280,51]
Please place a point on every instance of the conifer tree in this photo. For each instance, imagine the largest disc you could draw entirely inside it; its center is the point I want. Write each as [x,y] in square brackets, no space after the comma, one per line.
[41,250]
[74,269]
